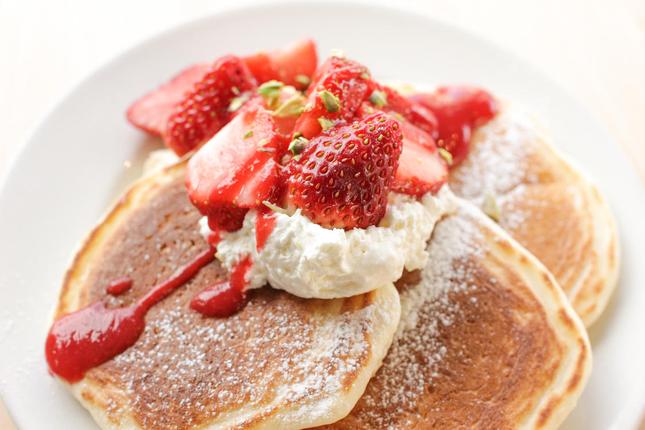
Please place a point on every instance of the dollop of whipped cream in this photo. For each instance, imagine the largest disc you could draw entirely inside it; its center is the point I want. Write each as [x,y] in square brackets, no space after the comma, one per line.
[311,261]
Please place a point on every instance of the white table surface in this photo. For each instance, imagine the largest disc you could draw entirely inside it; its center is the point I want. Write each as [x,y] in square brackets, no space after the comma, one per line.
[595,49]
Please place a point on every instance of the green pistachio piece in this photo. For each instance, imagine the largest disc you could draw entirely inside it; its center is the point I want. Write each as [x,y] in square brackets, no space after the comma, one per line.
[378,98]
[330,101]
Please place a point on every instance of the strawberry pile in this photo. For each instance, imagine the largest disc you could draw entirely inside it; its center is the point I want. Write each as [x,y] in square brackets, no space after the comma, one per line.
[273,130]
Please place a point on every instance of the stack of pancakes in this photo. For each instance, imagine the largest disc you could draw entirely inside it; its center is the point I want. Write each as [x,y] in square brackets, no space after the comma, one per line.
[483,337]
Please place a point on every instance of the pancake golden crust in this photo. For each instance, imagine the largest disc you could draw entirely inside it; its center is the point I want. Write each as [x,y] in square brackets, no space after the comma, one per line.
[487,340]
[546,205]
[281,362]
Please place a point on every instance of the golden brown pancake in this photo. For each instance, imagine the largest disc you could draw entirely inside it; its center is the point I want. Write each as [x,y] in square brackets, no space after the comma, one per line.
[546,204]
[487,340]
[281,362]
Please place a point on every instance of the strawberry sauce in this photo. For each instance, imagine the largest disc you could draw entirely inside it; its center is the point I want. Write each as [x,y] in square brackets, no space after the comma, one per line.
[224,298]
[95,334]
[119,286]
[263,227]
[214,238]
[459,109]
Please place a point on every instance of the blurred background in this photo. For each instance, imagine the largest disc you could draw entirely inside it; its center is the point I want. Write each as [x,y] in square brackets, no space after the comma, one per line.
[595,49]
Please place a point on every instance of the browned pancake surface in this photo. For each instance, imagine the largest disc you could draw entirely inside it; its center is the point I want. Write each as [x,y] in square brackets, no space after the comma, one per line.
[187,370]
[546,205]
[481,352]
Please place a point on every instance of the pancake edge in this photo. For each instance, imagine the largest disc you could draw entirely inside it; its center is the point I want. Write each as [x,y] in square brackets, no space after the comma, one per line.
[556,404]
[386,297]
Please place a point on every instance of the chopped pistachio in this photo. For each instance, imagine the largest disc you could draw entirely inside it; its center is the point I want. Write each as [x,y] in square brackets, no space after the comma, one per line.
[238,101]
[397,116]
[298,145]
[325,123]
[303,80]
[331,102]
[490,206]
[263,142]
[378,98]
[274,207]
[365,75]
[270,90]
[292,107]
[447,156]
[262,149]
[269,87]
[368,109]
[248,134]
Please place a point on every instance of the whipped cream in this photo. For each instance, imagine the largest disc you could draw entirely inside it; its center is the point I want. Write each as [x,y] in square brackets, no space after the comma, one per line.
[311,261]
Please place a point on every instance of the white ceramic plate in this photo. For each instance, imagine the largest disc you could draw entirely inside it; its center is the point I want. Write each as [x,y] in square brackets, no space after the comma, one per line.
[76,162]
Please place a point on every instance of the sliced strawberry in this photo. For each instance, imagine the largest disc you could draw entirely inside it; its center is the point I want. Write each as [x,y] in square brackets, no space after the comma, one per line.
[286,103]
[261,67]
[339,89]
[236,170]
[421,168]
[150,113]
[390,100]
[458,109]
[293,65]
[343,176]
[205,109]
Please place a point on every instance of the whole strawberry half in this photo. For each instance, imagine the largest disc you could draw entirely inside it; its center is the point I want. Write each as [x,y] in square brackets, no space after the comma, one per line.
[205,109]
[150,113]
[339,88]
[293,65]
[237,169]
[343,176]
[458,109]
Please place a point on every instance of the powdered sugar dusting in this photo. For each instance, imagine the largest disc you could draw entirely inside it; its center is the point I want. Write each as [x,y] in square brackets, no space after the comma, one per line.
[185,369]
[413,360]
[500,151]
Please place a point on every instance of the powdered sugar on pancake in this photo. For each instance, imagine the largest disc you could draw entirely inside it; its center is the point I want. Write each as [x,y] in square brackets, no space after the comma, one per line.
[501,143]
[411,364]
[288,357]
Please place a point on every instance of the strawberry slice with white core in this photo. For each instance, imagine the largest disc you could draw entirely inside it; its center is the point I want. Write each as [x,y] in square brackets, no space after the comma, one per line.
[459,110]
[150,113]
[236,170]
[421,167]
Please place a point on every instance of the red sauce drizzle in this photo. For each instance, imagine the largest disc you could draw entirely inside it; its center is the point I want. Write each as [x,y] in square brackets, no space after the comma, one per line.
[224,298]
[95,334]
[119,286]
[214,238]
[263,227]
[458,109]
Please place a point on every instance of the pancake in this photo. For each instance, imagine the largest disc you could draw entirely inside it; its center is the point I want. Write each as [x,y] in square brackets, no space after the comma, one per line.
[281,362]
[546,204]
[487,340]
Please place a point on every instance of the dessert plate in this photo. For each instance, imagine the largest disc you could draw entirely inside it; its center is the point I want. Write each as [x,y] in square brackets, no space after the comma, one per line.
[84,153]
